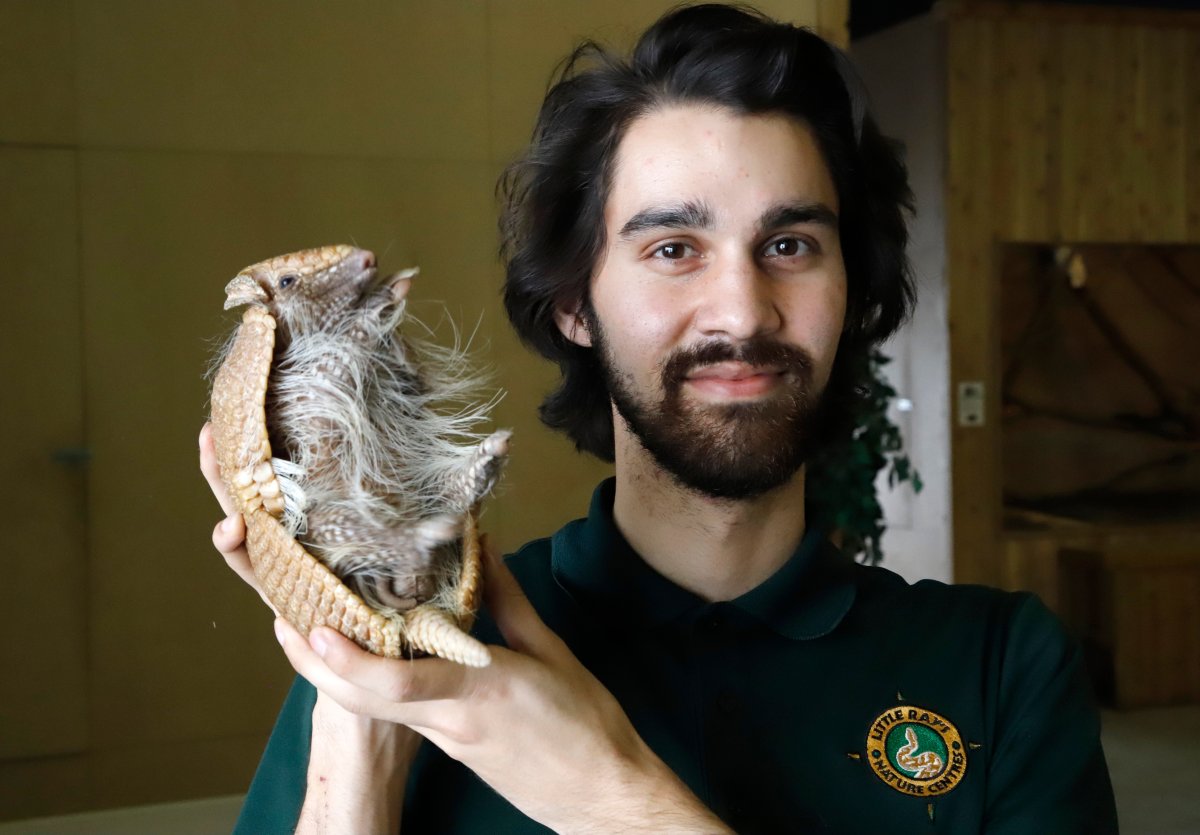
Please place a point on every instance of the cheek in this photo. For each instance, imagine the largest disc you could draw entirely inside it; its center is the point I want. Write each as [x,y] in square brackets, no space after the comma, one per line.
[815,321]
[638,346]
[637,321]
[837,312]
[835,303]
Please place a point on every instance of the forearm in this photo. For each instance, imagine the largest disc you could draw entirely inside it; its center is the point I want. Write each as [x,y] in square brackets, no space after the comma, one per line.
[666,805]
[535,725]
[357,770]
[639,794]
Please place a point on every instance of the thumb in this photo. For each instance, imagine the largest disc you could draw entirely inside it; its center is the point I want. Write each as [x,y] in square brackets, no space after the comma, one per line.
[514,615]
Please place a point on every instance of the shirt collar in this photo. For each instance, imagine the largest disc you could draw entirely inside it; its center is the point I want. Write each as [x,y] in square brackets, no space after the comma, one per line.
[806,598]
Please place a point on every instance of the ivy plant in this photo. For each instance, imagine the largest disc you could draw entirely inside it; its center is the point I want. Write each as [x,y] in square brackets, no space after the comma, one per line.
[841,481]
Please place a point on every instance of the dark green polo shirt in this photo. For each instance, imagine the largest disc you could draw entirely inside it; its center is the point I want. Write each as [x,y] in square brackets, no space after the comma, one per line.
[835,697]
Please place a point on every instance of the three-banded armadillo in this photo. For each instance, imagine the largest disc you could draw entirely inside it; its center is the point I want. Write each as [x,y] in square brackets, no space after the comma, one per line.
[375,467]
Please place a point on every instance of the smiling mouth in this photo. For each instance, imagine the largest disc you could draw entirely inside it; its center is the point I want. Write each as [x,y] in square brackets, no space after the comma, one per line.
[735,380]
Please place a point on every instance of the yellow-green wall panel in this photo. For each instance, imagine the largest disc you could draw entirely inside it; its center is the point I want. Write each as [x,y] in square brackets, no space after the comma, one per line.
[37,93]
[374,77]
[44,698]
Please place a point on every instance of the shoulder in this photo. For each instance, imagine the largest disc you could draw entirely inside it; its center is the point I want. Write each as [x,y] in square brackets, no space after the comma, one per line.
[1004,641]
[532,557]
[885,595]
[531,565]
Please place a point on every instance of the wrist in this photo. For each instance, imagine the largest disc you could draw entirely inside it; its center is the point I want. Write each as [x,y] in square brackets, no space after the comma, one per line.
[353,741]
[666,802]
[642,794]
[357,769]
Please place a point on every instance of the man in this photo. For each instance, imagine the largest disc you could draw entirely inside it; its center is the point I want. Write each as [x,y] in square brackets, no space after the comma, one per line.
[705,238]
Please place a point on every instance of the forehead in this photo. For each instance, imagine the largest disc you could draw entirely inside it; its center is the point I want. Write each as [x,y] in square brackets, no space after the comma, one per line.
[732,162]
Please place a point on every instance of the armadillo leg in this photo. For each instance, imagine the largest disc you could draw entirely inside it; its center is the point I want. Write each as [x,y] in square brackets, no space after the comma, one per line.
[434,631]
[472,482]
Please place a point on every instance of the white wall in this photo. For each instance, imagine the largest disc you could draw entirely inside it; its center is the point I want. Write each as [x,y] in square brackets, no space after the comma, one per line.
[904,70]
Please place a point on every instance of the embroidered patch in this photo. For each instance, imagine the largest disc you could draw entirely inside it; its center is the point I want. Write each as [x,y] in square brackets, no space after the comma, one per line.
[916,751]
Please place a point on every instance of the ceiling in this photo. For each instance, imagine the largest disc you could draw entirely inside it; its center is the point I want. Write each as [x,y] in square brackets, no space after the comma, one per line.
[870,16]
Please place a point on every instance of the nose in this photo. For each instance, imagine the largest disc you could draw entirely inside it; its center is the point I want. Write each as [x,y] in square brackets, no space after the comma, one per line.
[738,301]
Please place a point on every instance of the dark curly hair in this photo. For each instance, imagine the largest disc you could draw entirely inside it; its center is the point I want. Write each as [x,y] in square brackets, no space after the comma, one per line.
[552,223]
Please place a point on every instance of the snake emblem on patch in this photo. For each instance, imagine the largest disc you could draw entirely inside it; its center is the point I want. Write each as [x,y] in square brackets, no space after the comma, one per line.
[916,751]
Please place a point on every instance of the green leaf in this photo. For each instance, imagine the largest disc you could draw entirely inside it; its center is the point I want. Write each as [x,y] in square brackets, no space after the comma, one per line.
[842,476]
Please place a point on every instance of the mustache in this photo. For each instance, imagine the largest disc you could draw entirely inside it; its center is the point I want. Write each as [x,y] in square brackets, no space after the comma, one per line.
[758,351]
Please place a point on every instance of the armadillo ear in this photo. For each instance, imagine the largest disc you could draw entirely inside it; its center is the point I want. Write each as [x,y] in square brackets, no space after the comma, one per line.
[573,327]
[401,282]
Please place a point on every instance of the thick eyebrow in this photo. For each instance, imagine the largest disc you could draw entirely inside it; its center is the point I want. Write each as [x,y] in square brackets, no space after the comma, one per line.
[791,213]
[687,215]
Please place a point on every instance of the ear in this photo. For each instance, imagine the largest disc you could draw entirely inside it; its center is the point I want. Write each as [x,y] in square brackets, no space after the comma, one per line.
[572,326]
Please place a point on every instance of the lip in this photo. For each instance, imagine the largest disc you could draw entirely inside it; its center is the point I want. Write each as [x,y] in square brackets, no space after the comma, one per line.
[734,380]
[734,371]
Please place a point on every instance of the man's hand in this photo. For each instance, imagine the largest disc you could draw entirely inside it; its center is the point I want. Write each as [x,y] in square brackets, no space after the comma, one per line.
[535,725]
[357,765]
[230,532]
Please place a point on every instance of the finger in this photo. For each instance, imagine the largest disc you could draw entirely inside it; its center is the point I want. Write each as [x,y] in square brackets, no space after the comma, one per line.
[309,664]
[228,536]
[306,658]
[401,682]
[211,471]
[515,616]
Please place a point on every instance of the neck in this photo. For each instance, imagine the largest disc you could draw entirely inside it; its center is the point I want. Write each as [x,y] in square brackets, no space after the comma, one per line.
[716,548]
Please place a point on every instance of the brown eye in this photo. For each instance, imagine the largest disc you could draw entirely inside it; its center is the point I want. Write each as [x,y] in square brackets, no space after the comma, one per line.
[286,281]
[788,247]
[674,251]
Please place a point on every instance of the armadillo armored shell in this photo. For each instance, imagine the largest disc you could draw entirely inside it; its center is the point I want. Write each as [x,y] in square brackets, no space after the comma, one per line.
[300,587]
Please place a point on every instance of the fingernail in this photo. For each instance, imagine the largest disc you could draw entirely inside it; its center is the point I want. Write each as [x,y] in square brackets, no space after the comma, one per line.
[318,643]
[279,633]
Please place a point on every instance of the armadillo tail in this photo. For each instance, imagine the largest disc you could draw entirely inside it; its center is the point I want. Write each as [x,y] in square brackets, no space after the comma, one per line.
[434,631]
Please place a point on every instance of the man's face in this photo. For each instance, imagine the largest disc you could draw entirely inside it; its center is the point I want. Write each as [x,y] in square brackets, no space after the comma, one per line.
[718,302]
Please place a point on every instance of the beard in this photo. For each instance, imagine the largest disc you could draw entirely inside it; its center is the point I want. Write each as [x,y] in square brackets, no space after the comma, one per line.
[732,451]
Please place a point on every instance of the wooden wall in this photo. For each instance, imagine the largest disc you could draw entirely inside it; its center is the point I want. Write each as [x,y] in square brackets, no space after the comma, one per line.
[1029,557]
[1065,124]
[147,152]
